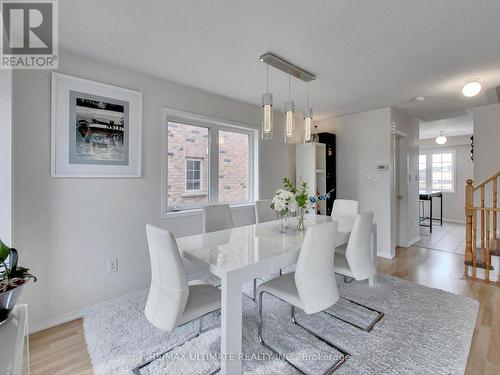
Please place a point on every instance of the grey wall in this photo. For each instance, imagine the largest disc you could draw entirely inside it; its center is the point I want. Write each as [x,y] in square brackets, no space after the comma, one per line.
[66,229]
[408,224]
[486,141]
[486,148]
[453,203]
[5,154]
[363,141]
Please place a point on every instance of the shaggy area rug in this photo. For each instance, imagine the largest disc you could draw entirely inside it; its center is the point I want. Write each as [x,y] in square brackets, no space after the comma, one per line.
[424,331]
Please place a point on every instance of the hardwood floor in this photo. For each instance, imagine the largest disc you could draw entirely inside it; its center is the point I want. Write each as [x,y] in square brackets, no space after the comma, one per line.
[62,350]
[443,270]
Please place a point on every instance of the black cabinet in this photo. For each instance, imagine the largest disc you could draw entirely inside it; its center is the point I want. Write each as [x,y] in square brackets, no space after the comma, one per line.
[331,168]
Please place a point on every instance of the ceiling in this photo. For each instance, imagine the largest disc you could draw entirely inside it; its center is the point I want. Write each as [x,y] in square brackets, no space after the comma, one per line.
[451,127]
[366,54]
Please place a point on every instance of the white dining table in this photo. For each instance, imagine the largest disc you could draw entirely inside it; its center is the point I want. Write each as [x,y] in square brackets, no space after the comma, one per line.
[241,254]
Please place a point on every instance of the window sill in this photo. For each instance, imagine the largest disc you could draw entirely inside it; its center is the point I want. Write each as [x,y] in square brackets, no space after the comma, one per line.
[194,194]
[197,211]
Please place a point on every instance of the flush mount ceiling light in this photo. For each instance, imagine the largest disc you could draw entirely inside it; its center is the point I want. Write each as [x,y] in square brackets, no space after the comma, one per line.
[471,88]
[418,99]
[441,140]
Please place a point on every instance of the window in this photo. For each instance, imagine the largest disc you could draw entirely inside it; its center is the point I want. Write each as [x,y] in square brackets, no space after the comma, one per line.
[441,174]
[193,174]
[187,150]
[233,167]
[206,161]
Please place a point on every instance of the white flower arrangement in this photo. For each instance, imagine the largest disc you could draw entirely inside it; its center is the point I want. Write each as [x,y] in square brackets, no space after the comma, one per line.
[284,202]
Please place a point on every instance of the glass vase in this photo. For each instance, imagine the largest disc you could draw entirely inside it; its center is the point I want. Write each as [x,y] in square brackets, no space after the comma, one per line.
[300,219]
[285,222]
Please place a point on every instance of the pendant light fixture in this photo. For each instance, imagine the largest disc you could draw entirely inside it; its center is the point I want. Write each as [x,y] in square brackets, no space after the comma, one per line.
[289,114]
[441,140]
[267,111]
[308,114]
[267,99]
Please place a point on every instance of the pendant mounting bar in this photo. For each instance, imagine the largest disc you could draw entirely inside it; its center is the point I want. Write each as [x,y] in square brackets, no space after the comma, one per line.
[285,66]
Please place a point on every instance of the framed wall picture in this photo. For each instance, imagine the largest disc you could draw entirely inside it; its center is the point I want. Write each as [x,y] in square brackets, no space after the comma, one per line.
[96,129]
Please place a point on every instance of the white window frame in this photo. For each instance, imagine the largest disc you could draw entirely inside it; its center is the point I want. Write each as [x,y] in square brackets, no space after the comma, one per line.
[189,191]
[213,125]
[428,166]
[426,170]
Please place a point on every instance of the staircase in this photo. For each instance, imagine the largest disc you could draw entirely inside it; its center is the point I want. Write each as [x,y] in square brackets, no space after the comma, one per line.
[482,250]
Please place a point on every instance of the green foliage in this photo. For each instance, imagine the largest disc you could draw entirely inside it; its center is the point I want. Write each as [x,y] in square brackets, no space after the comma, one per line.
[12,275]
[301,195]
[289,186]
[4,251]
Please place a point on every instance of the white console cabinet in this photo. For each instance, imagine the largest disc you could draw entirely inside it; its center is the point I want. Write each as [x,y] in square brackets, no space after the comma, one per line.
[14,349]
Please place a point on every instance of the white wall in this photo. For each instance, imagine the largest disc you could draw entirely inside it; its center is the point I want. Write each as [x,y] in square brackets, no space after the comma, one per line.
[67,228]
[409,230]
[363,141]
[486,141]
[5,154]
[453,203]
[486,148]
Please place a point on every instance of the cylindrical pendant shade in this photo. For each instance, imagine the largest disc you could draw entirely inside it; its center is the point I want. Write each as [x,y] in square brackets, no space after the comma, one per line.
[308,114]
[267,116]
[289,120]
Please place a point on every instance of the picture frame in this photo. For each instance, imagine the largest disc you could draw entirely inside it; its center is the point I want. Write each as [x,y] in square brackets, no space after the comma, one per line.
[96,129]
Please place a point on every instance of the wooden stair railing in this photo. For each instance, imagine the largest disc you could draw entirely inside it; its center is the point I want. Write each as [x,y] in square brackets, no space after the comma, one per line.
[487,220]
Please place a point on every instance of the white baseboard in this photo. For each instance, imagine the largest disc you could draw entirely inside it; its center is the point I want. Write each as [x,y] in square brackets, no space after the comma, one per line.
[77,314]
[411,242]
[386,255]
[453,220]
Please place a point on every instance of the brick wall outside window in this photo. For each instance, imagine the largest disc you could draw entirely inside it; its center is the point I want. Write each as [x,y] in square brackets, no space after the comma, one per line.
[191,142]
[233,167]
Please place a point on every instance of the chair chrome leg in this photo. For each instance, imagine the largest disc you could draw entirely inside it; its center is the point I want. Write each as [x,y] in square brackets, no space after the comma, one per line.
[266,345]
[254,298]
[137,370]
[345,354]
[372,323]
[348,279]
[283,357]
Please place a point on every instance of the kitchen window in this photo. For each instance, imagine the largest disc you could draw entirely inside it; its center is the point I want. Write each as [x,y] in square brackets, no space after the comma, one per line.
[437,170]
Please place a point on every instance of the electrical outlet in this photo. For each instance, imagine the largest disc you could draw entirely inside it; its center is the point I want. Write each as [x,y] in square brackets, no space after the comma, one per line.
[112,265]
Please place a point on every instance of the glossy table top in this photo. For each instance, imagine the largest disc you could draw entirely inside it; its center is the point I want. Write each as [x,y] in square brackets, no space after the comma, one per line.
[243,247]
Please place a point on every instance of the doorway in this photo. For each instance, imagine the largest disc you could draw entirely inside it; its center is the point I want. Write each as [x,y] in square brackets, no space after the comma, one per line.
[400,189]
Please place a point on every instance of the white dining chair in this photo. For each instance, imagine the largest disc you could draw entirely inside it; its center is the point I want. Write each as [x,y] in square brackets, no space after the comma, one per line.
[355,260]
[344,211]
[217,217]
[172,300]
[264,212]
[311,288]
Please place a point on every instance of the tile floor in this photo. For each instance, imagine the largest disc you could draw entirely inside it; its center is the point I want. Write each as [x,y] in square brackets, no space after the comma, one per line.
[450,237]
